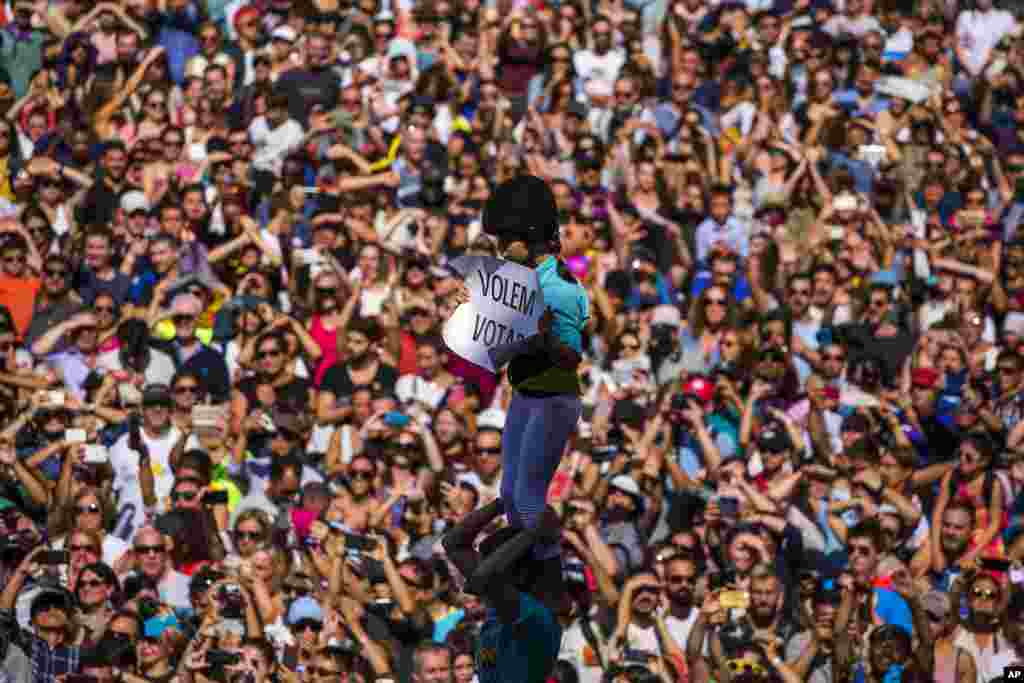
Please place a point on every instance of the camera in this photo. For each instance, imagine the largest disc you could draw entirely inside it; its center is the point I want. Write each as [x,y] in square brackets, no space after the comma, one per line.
[230,597]
[15,546]
[663,340]
[222,658]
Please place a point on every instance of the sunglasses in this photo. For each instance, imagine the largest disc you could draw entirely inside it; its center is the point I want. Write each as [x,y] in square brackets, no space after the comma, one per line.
[248,535]
[183,319]
[187,389]
[56,272]
[714,301]
[985,593]
[322,673]
[149,549]
[365,475]
[93,583]
[273,353]
[184,495]
[93,509]
[81,549]
[739,666]
[680,579]
[489,451]
[307,625]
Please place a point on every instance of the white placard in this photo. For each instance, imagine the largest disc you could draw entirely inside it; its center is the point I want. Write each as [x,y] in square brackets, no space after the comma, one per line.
[904,88]
[505,305]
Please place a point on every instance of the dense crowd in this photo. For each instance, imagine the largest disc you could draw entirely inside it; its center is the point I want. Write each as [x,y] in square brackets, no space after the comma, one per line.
[231,435]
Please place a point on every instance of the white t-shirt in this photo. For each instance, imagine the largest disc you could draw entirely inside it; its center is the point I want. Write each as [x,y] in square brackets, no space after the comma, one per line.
[411,387]
[125,463]
[174,590]
[978,32]
[591,66]
[272,146]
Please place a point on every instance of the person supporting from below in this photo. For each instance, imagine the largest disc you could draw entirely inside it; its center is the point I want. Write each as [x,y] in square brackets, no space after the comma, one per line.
[521,635]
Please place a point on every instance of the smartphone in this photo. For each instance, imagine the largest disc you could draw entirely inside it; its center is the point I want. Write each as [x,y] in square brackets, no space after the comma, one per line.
[603,453]
[574,571]
[380,608]
[75,435]
[80,678]
[633,656]
[359,543]
[95,454]
[222,658]
[215,498]
[290,660]
[993,565]
[306,257]
[54,398]
[719,580]
[729,506]
[845,202]
[396,419]
[267,423]
[734,599]
[54,557]
[86,474]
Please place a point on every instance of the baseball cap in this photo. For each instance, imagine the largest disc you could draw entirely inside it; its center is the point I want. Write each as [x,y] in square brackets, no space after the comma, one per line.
[285,33]
[51,598]
[492,418]
[666,315]
[305,609]
[134,201]
[924,378]
[773,439]
[627,484]
[156,394]
[313,489]
[699,388]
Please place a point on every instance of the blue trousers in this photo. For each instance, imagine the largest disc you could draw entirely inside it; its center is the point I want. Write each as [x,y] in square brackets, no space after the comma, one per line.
[532,443]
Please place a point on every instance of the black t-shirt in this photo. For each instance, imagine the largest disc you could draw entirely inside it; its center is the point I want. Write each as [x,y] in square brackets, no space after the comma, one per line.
[306,87]
[100,204]
[291,397]
[210,366]
[337,380]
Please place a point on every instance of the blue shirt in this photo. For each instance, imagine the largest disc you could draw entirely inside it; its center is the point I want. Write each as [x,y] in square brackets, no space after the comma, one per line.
[568,301]
[523,652]
[732,233]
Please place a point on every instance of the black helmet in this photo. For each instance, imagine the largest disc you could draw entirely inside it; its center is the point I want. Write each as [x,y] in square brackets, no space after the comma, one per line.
[522,208]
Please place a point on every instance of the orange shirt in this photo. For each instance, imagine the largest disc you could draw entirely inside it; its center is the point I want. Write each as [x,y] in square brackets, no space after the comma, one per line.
[19,296]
